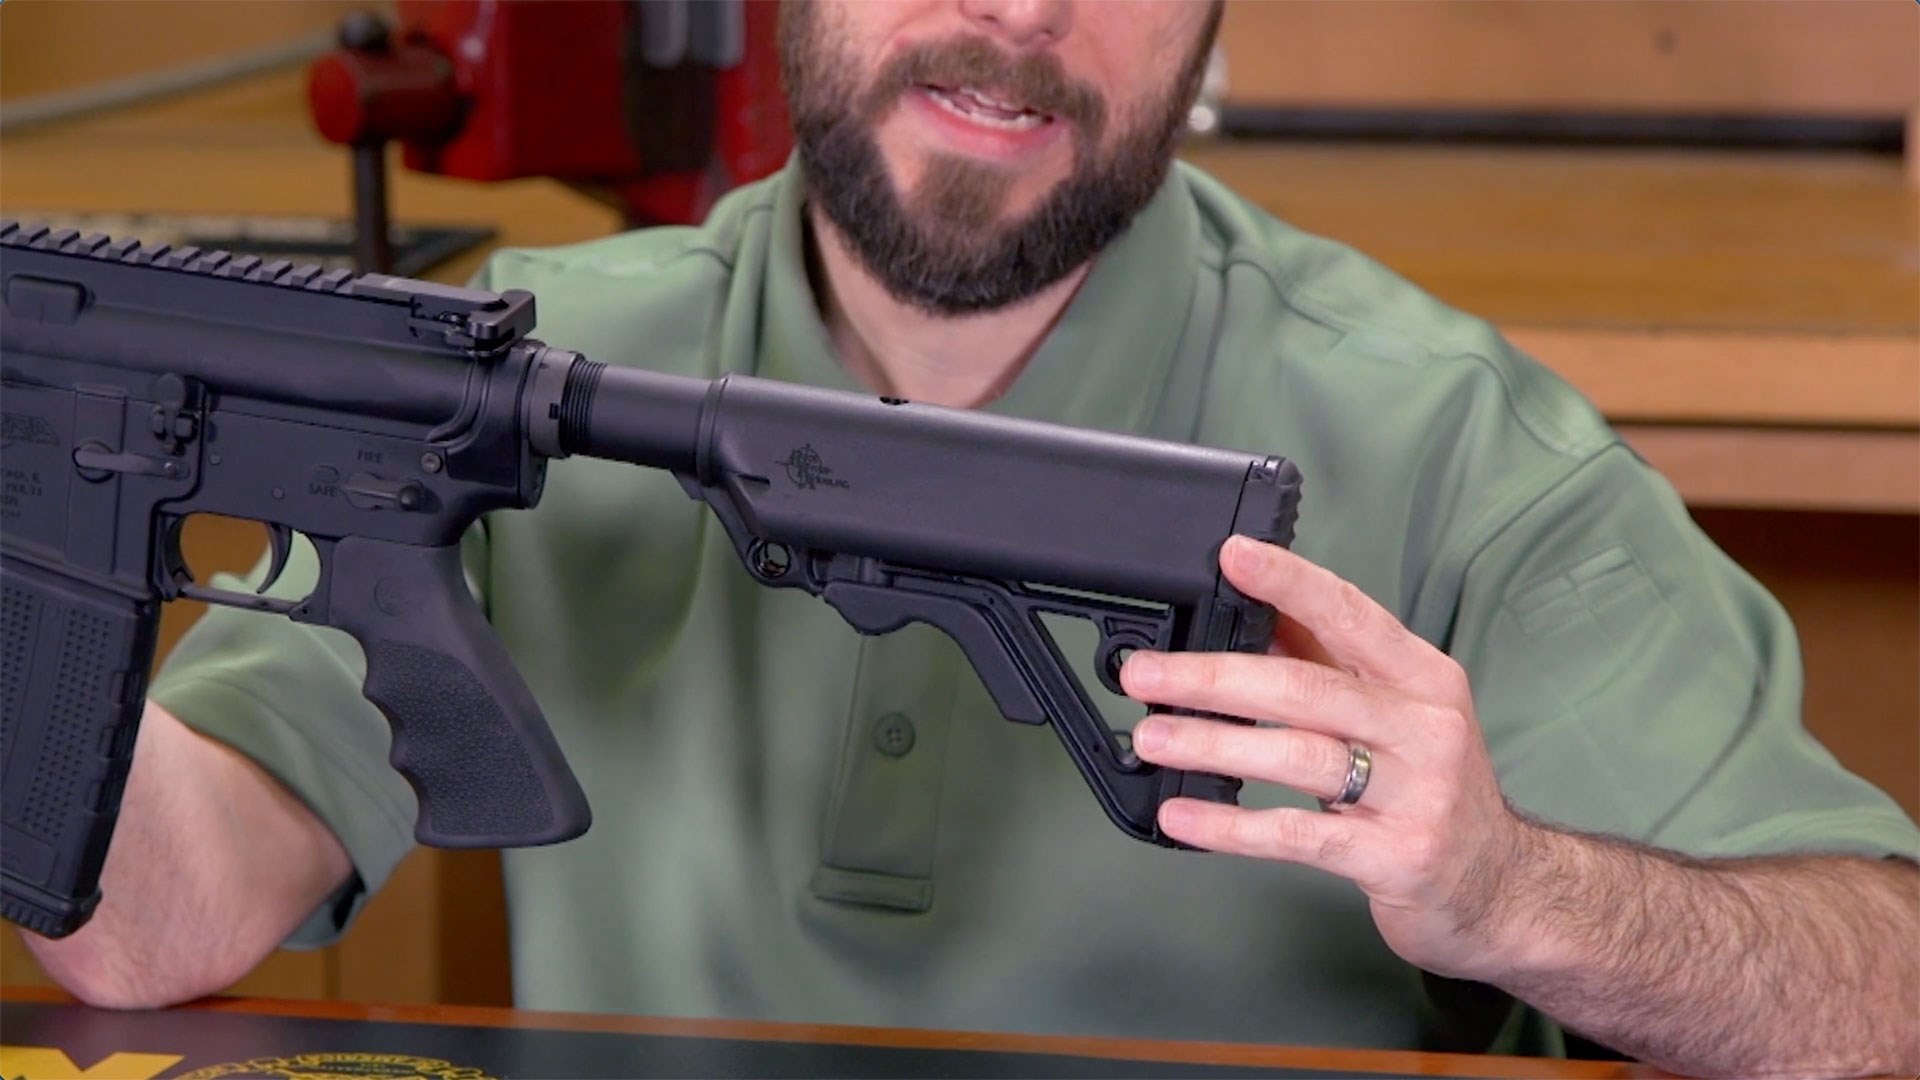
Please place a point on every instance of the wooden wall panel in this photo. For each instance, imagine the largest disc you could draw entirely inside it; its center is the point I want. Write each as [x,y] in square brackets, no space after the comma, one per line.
[1852,584]
[49,45]
[392,954]
[475,967]
[1820,57]
[1618,240]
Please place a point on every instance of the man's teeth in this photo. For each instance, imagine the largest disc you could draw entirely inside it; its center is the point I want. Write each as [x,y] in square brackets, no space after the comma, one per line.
[986,111]
[990,101]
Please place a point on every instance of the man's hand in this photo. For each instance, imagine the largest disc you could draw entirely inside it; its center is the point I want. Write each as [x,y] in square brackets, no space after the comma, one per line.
[1430,840]
[1756,966]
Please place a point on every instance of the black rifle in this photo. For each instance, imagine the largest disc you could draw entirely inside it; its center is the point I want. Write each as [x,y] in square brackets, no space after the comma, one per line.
[381,417]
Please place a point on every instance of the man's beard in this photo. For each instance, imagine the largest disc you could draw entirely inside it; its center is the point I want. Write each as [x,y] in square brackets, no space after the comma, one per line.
[944,249]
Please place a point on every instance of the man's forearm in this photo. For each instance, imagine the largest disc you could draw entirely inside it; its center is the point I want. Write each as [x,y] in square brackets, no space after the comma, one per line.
[213,864]
[1796,965]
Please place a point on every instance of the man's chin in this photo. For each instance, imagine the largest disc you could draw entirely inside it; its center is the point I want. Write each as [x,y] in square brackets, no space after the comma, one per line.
[969,221]
[1001,194]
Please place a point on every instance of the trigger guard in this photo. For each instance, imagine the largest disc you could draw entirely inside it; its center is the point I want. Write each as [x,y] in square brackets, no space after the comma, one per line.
[280,538]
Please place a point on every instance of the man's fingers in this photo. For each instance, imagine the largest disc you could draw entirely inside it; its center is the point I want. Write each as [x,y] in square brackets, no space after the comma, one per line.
[1324,841]
[1271,688]
[1302,760]
[1355,632]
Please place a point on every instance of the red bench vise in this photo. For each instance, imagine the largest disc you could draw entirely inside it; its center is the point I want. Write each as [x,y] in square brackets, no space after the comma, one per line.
[658,107]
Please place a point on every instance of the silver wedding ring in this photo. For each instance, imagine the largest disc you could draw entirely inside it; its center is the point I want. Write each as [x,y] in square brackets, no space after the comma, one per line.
[1359,771]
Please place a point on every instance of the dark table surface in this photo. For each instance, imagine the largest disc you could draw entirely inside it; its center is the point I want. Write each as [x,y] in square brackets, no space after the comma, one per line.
[43,1034]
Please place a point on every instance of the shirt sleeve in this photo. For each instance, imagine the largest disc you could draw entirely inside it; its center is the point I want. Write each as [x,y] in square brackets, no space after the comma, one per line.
[1633,680]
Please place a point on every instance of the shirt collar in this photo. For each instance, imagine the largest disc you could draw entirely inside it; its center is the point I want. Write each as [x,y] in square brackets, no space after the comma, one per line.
[1102,366]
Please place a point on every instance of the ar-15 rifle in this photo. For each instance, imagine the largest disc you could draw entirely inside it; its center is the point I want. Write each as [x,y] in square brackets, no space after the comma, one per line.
[381,417]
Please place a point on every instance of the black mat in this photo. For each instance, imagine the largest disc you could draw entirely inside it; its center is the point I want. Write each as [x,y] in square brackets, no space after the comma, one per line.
[232,1045]
[296,238]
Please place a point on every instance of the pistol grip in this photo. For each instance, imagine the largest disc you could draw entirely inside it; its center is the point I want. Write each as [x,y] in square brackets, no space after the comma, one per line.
[76,660]
[467,733]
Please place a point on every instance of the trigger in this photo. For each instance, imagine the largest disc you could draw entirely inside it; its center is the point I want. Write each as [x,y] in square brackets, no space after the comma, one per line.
[281,539]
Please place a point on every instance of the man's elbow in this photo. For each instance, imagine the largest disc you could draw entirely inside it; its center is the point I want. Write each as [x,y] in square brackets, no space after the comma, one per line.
[110,974]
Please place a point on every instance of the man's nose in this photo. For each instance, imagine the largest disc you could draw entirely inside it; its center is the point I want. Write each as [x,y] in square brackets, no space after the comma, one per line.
[1023,24]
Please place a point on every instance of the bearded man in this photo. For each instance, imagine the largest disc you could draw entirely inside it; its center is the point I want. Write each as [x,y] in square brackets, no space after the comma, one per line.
[1555,729]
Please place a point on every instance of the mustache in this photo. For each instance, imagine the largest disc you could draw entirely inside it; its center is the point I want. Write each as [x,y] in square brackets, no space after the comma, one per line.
[1035,80]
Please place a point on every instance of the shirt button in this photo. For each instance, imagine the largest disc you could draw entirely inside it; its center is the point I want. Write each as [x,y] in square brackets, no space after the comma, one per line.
[893,735]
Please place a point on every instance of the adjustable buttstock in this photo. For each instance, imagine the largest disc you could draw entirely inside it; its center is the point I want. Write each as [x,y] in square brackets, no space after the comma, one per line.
[1234,622]
[1239,624]
[998,628]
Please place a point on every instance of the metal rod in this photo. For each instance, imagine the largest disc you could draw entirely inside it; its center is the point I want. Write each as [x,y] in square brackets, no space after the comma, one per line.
[372,242]
[16,117]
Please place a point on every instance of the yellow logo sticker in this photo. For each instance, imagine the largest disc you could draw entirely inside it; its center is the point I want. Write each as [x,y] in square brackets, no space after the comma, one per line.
[47,1063]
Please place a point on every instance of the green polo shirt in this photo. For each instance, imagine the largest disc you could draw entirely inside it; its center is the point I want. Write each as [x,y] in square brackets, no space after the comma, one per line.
[792,822]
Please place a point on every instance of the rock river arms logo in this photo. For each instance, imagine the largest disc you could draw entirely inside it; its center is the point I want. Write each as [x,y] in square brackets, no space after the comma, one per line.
[20,427]
[806,469]
[47,1063]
